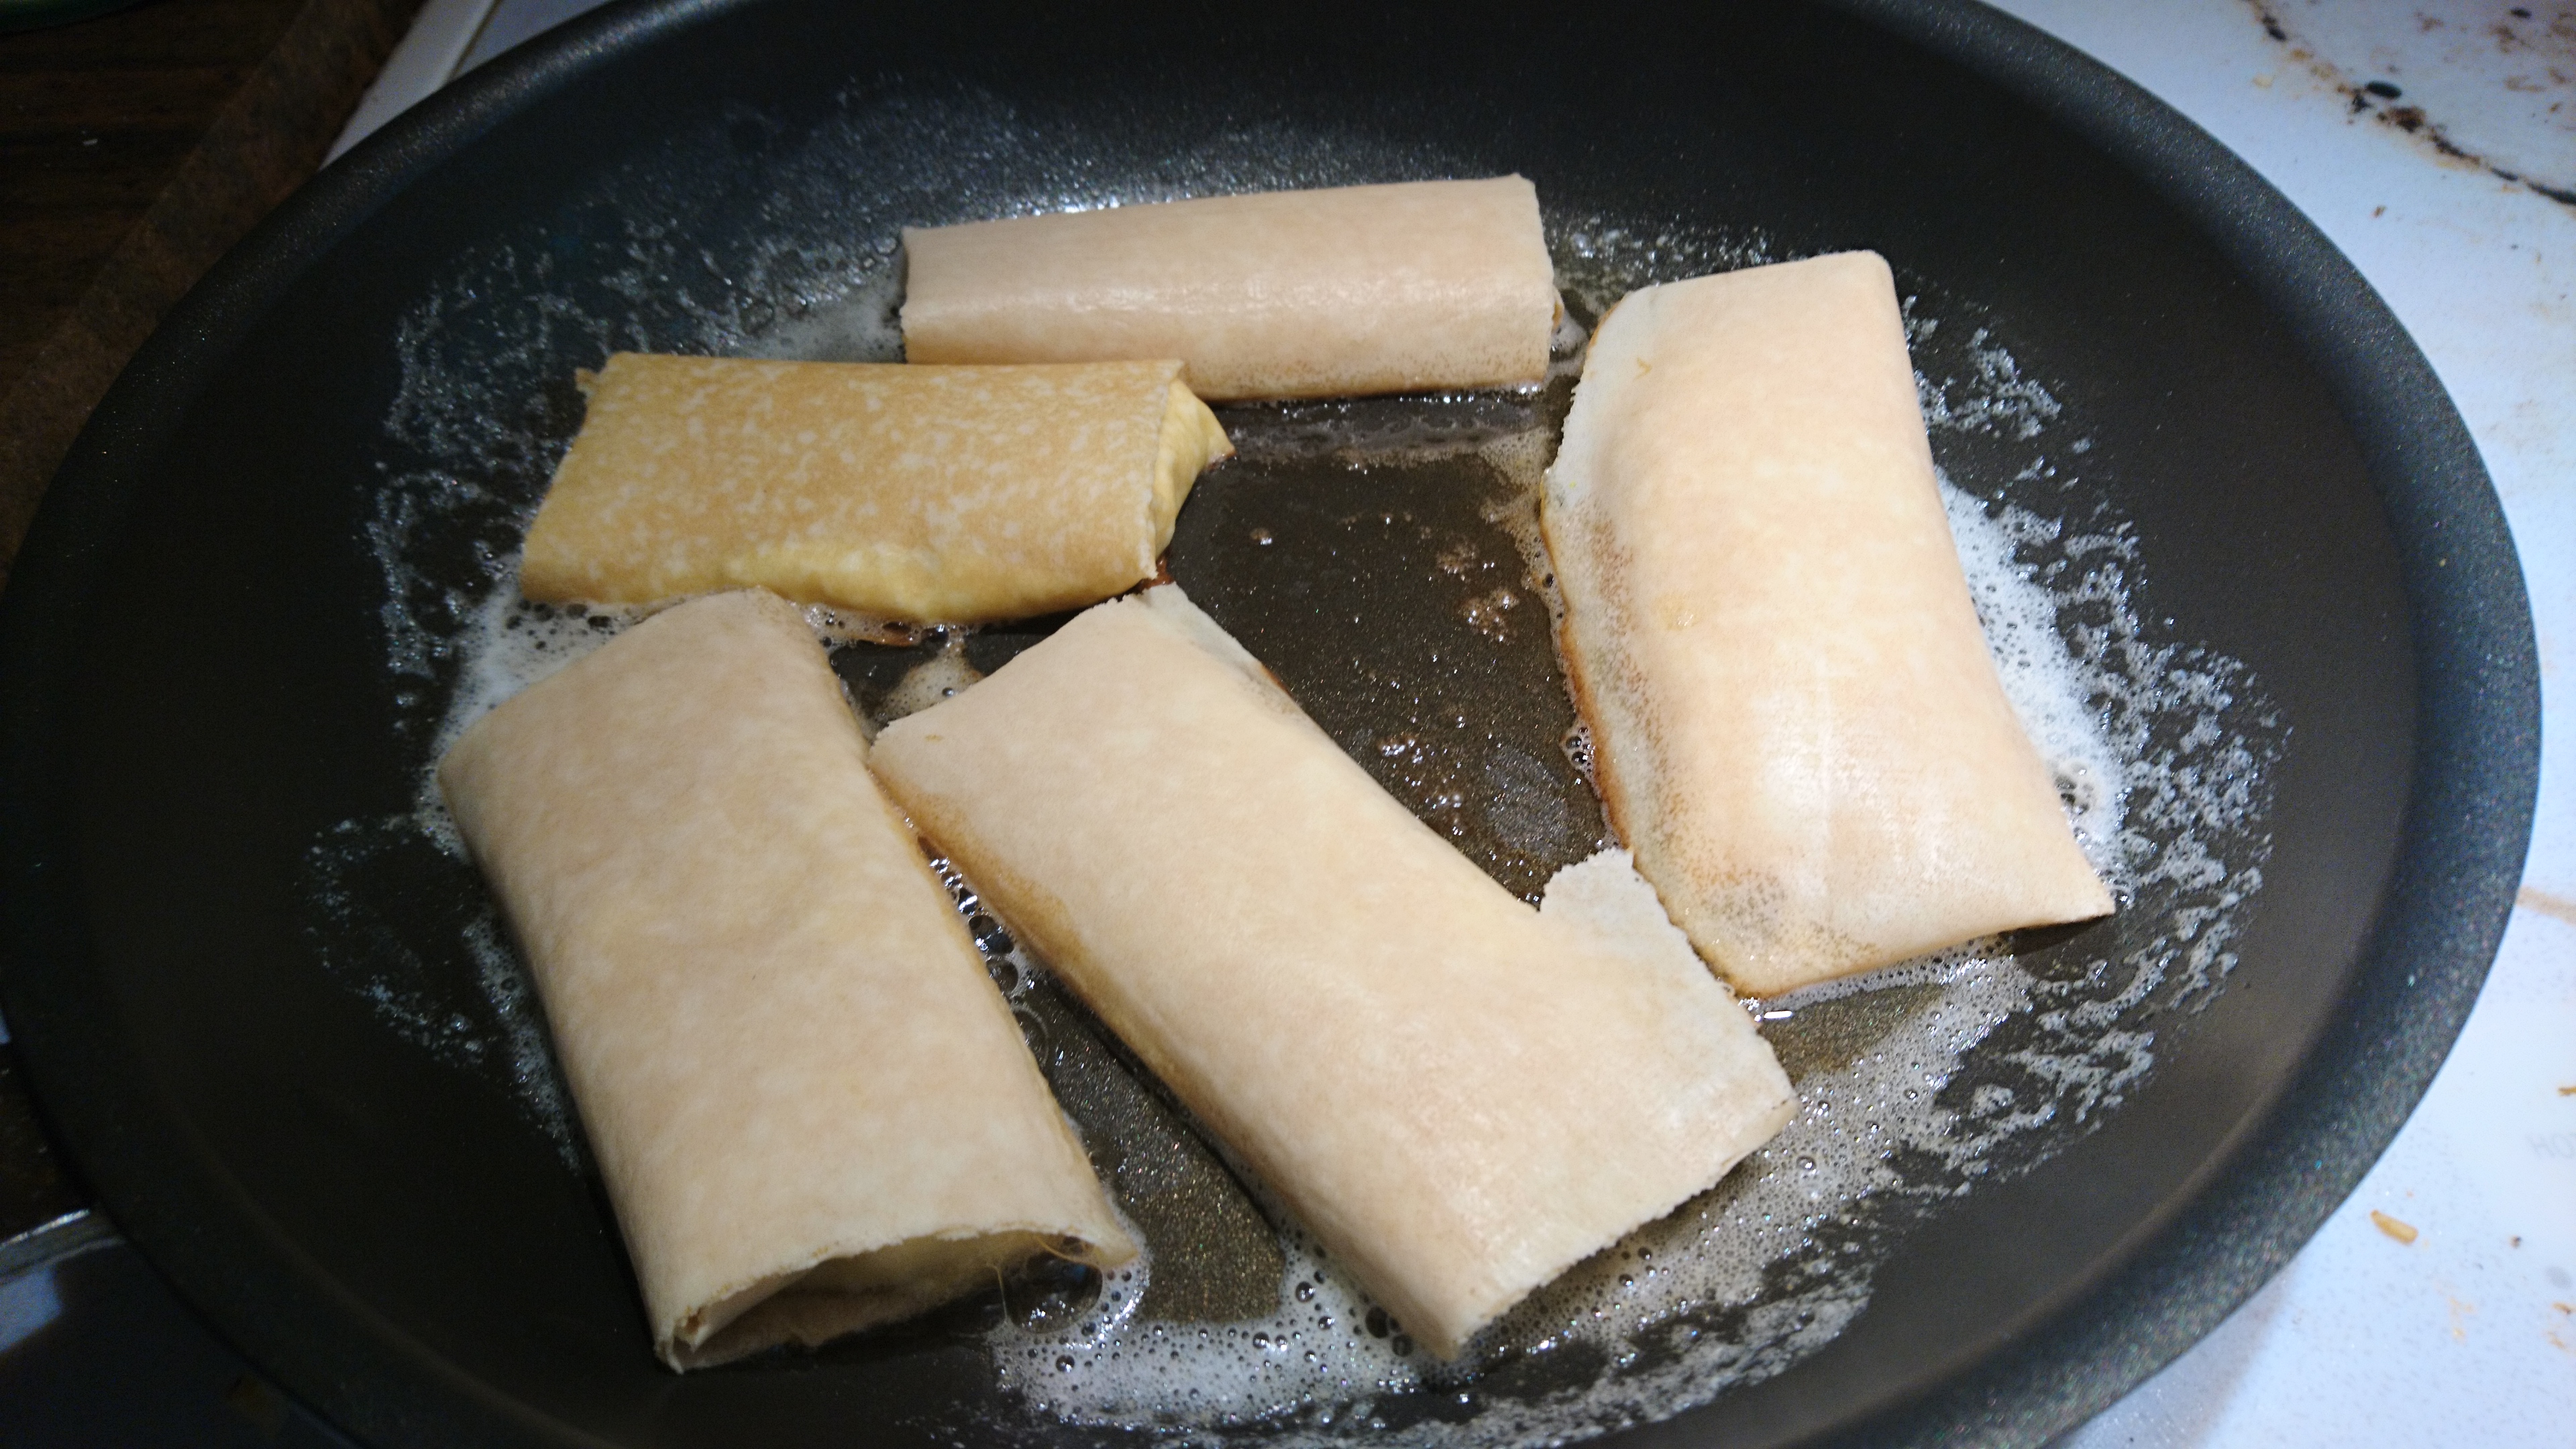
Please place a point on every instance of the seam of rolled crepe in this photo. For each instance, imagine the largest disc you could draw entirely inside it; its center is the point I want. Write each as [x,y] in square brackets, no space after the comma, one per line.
[1404,287]
[721,912]
[1461,1097]
[923,494]
[1811,795]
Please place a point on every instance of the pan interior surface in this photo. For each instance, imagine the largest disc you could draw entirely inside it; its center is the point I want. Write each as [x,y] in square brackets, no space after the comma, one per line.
[337,1122]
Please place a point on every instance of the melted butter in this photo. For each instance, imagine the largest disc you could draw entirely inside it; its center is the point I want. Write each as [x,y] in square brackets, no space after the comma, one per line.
[1364,549]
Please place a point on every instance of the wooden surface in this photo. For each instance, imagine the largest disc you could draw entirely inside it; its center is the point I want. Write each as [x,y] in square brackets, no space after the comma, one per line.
[134,150]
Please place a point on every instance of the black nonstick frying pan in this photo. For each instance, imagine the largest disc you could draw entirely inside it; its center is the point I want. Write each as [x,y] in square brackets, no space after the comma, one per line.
[230,639]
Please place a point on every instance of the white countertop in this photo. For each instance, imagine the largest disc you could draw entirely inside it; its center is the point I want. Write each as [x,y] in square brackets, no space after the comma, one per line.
[2467,1333]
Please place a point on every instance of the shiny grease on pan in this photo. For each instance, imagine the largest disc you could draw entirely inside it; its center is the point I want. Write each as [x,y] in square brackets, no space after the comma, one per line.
[1379,555]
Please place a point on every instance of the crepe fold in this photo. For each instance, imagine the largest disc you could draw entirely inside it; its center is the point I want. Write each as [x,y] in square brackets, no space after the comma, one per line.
[1797,725]
[809,1102]
[1415,286]
[1460,1096]
[952,495]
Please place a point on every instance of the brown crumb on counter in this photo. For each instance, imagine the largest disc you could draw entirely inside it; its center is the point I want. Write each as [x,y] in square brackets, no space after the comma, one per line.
[2403,1232]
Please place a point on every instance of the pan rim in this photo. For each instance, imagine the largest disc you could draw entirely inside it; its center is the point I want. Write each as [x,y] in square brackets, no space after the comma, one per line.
[2474,776]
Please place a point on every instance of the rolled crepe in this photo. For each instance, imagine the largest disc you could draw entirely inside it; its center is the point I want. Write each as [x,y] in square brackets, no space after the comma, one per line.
[1365,289]
[1459,1095]
[1796,723]
[811,1106]
[949,495]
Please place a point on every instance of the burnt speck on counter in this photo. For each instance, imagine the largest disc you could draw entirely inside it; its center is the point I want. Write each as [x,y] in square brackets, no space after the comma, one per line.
[2447,147]
[2492,97]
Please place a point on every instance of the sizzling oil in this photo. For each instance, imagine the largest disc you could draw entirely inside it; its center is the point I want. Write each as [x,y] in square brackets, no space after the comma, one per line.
[1380,556]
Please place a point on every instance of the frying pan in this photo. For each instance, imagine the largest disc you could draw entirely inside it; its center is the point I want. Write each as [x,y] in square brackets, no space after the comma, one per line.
[195,646]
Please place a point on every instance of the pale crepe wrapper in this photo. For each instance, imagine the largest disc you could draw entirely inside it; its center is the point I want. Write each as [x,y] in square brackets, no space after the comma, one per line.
[917,494]
[1460,1096]
[1415,286]
[1797,726]
[809,1102]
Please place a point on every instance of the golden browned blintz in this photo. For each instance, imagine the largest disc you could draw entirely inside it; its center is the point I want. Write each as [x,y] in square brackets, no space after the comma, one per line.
[1411,287]
[925,494]
[1797,726]
[810,1104]
[1460,1096]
